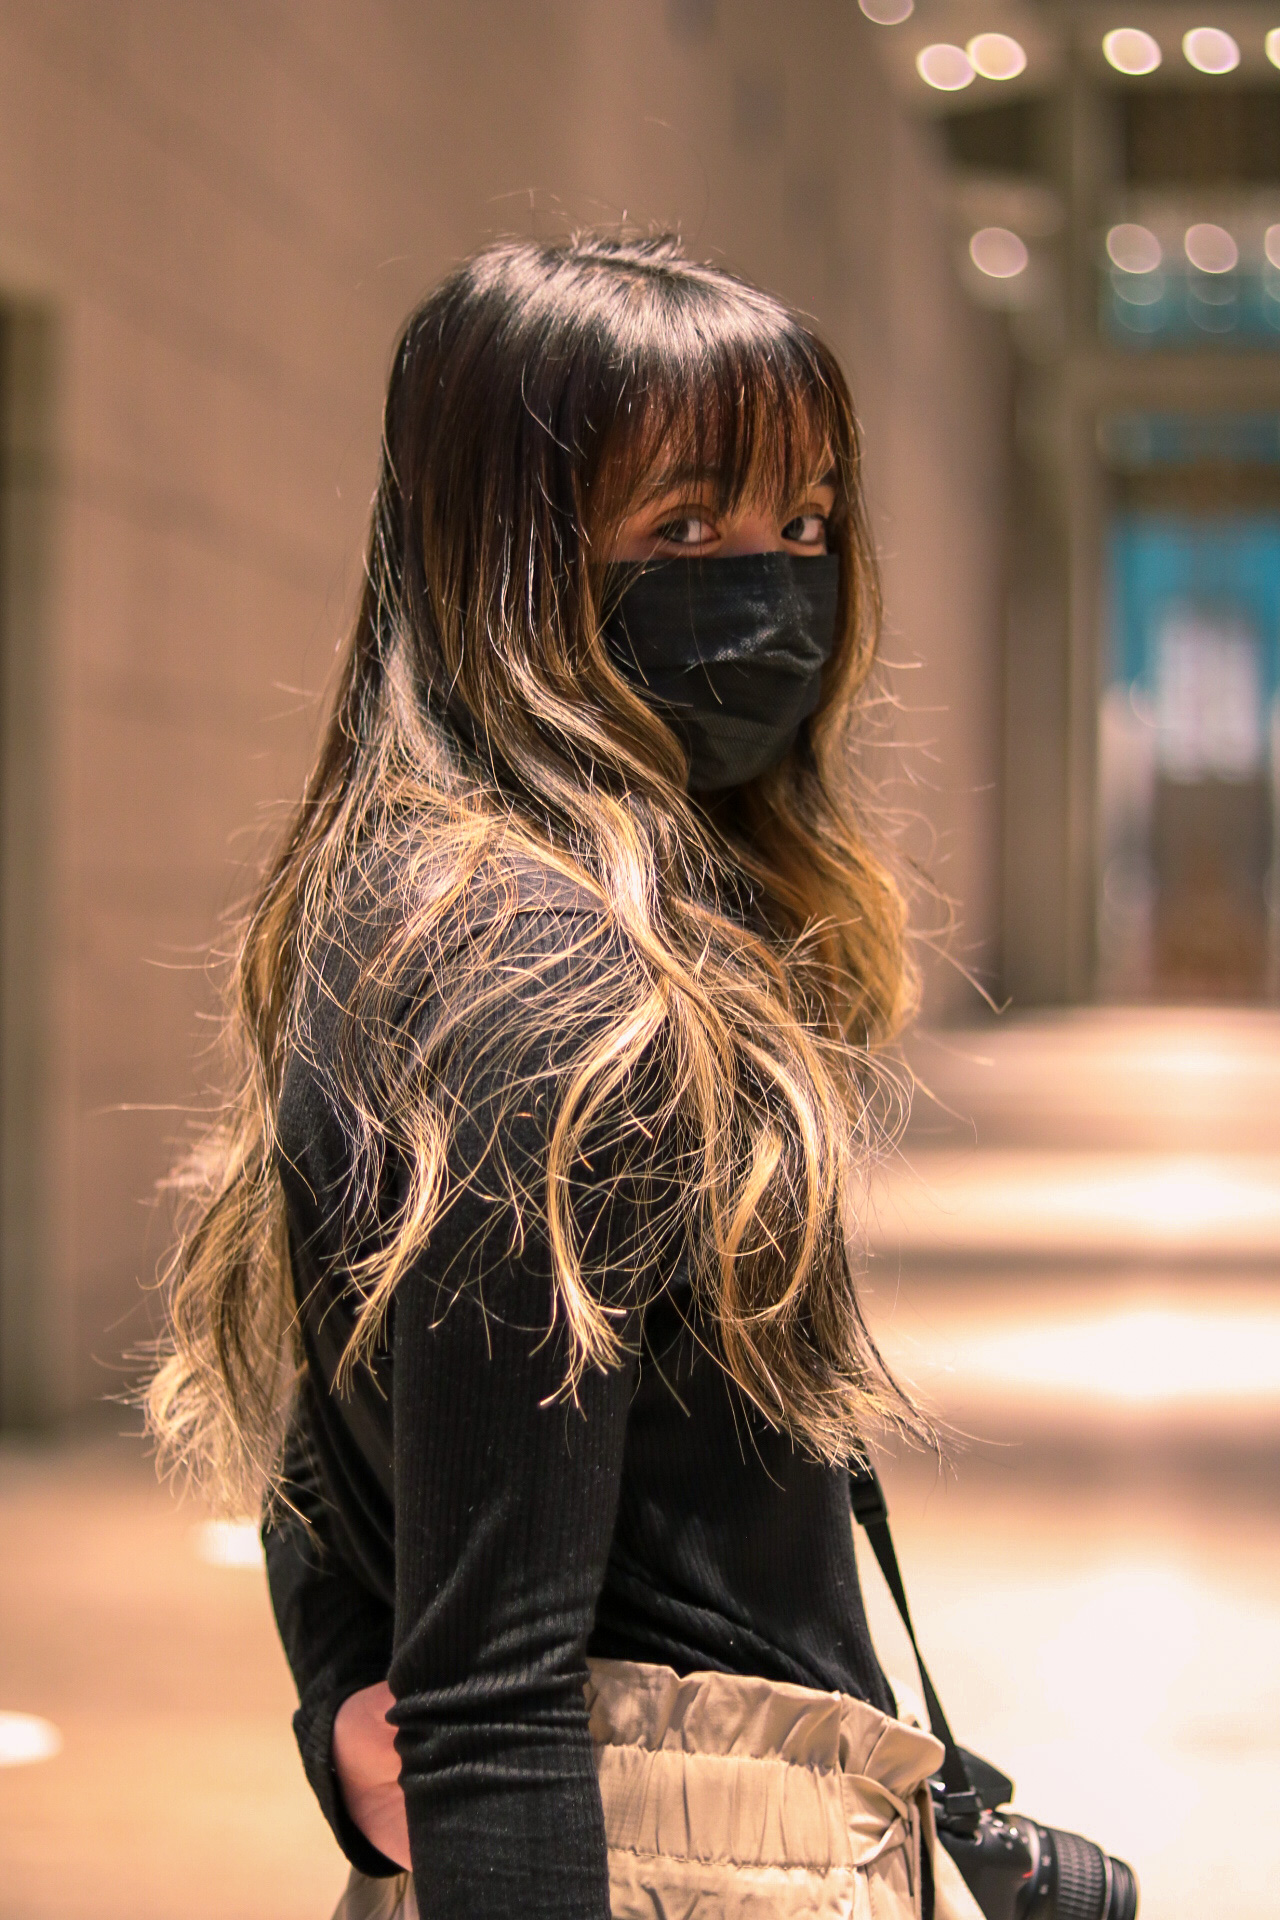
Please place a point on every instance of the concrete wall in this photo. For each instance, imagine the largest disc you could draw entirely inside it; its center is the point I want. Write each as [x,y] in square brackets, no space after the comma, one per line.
[212,217]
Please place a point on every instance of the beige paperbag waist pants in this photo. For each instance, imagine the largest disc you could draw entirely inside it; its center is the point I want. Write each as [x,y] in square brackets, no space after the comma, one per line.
[728,1798]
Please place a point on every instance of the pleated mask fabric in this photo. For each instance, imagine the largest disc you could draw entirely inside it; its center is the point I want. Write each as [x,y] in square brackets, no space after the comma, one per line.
[731,651]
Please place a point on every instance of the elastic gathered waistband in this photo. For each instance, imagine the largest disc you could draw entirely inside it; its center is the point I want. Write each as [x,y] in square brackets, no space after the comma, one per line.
[744,1798]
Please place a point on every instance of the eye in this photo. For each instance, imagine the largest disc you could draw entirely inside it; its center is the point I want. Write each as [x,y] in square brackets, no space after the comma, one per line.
[686,531]
[807,530]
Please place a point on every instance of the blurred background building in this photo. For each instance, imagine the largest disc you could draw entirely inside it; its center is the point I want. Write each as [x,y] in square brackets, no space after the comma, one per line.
[1116,189]
[1045,237]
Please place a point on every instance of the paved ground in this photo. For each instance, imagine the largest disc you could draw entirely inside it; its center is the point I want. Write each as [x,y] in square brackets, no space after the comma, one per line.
[1096,1574]
[178,1794]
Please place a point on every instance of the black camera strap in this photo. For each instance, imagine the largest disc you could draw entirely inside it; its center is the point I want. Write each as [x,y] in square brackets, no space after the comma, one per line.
[871,1511]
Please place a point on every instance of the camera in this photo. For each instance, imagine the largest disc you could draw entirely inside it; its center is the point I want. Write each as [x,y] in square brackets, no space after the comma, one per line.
[1018,1870]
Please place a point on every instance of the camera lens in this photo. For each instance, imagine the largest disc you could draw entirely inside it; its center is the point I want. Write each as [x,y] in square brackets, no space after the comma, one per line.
[1124,1891]
[1082,1882]
[1018,1870]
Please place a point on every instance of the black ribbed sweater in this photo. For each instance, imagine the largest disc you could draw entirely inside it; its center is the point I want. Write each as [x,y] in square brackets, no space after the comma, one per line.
[473,1536]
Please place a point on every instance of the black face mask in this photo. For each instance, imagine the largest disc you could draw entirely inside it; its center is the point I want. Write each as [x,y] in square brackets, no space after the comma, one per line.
[732,650]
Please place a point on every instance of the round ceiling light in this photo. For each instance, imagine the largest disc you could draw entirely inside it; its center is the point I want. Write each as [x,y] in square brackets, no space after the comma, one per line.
[1211,248]
[943,66]
[998,253]
[888,13]
[1272,44]
[1210,50]
[1134,249]
[996,56]
[1130,50]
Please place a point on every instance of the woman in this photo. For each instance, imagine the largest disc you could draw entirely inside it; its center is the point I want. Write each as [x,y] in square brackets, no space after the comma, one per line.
[522,1276]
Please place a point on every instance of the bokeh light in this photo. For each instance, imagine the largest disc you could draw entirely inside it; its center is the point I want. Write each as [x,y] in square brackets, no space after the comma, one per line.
[1271,246]
[998,252]
[943,66]
[26,1738]
[888,13]
[1272,44]
[1211,248]
[1130,50]
[229,1543]
[1210,50]
[1134,249]
[996,56]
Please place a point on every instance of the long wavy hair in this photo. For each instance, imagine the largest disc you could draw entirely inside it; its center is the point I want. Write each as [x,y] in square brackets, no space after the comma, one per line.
[757,952]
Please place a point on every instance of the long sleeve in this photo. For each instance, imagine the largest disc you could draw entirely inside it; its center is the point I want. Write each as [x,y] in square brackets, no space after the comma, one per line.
[337,1634]
[505,1503]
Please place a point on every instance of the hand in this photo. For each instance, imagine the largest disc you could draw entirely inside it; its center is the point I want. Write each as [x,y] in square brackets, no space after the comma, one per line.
[368,1770]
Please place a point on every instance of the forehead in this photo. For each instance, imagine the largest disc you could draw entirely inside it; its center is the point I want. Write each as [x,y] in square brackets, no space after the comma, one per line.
[767,459]
[684,476]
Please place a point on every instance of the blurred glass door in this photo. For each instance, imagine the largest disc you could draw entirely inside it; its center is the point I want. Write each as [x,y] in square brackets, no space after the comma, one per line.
[1188,741]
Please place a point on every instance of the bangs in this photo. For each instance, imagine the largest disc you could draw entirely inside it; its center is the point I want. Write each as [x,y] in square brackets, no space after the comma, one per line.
[726,391]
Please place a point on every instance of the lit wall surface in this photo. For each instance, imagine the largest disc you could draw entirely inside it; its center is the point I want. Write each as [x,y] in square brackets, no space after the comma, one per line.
[1187,759]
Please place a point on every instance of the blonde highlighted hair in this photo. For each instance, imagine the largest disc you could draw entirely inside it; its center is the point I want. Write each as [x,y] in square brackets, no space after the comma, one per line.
[756,959]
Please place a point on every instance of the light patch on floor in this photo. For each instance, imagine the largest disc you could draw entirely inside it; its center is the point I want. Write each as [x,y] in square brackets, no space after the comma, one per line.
[1015,1202]
[1118,1352]
[25,1739]
[1145,1356]
[228,1543]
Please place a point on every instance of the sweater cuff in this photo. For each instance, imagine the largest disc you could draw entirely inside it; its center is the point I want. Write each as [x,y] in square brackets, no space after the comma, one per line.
[313,1729]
